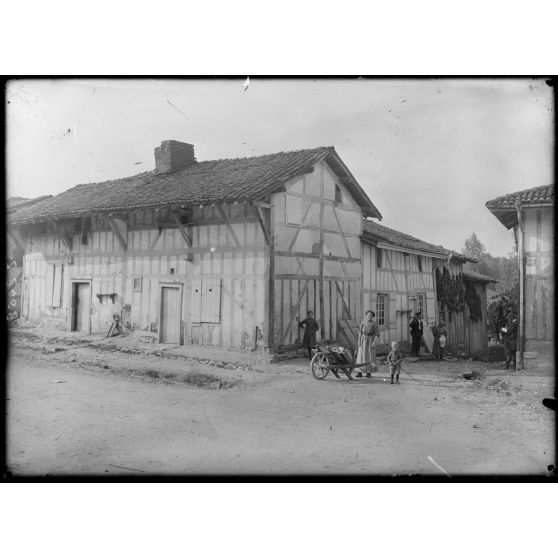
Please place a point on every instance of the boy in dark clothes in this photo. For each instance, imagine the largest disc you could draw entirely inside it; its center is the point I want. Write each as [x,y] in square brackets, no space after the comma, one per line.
[311,326]
[395,358]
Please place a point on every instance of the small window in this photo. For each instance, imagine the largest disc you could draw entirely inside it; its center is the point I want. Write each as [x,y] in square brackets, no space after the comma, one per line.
[172,270]
[138,283]
[379,257]
[419,262]
[419,304]
[338,198]
[381,304]
[293,210]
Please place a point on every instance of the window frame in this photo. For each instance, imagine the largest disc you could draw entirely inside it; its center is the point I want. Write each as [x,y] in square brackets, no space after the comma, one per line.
[338,194]
[382,312]
[420,297]
[134,288]
[288,213]
[379,257]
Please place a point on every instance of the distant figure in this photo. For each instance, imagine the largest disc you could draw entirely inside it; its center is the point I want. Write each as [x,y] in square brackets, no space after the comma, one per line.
[310,326]
[510,339]
[440,339]
[417,329]
[395,358]
[367,338]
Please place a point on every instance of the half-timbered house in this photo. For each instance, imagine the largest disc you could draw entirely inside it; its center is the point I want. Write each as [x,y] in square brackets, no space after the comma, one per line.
[230,253]
[226,253]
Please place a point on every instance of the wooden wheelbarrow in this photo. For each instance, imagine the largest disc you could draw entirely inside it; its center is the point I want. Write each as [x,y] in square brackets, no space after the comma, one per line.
[337,360]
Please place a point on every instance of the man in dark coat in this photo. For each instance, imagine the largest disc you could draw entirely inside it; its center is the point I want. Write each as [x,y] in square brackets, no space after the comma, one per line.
[416,328]
[510,340]
[310,326]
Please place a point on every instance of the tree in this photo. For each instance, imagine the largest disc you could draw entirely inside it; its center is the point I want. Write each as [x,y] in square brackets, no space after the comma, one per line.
[498,309]
[474,248]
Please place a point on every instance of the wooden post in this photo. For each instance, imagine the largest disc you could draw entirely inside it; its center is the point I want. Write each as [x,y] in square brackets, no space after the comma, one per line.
[261,219]
[185,235]
[270,276]
[321,267]
[521,257]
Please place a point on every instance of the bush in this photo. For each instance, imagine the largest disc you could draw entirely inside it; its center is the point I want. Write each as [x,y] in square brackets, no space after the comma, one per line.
[498,309]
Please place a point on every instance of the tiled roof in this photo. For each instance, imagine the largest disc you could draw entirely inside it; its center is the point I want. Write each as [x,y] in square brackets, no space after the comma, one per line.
[503,207]
[479,277]
[16,203]
[223,180]
[537,195]
[379,233]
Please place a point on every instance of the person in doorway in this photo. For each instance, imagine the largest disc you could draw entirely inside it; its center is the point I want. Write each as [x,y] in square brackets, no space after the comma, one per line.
[417,329]
[394,359]
[310,326]
[367,339]
[510,339]
[440,339]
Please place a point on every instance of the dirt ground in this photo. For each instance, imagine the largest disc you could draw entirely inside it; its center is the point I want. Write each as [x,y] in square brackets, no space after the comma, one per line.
[87,411]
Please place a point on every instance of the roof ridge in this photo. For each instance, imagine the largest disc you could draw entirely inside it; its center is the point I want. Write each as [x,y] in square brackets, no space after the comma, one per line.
[152,171]
[525,191]
[292,152]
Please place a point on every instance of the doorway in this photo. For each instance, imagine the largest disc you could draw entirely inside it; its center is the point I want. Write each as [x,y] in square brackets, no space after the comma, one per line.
[169,330]
[81,307]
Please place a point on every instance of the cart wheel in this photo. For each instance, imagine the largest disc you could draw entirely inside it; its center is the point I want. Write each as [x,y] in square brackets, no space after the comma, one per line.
[320,366]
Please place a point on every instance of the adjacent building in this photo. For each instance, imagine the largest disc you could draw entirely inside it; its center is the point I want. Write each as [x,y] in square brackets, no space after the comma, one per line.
[530,214]
[403,275]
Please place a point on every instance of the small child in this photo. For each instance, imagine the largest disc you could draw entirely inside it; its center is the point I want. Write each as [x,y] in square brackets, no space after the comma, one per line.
[395,358]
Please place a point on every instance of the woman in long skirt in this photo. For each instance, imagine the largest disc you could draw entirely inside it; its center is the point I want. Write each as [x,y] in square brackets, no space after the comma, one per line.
[367,339]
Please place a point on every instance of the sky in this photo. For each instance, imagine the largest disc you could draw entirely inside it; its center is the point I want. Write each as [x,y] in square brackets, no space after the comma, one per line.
[429,153]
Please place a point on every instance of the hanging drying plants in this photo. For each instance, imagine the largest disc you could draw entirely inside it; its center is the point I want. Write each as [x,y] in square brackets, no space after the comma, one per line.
[474,301]
[451,292]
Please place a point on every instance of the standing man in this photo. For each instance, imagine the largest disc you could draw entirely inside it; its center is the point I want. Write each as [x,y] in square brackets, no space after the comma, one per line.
[416,328]
[510,339]
[310,326]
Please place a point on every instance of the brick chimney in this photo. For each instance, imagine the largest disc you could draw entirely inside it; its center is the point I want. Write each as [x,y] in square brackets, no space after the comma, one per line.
[173,156]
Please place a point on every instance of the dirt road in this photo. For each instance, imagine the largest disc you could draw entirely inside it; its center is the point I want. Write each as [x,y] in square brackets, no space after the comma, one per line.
[64,419]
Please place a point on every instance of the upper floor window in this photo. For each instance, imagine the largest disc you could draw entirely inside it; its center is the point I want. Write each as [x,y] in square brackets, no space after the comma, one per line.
[338,197]
[419,304]
[293,210]
[379,257]
[381,309]
[138,284]
[419,261]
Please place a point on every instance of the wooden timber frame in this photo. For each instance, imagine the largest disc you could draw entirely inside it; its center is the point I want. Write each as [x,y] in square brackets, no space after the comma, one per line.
[314,256]
[221,249]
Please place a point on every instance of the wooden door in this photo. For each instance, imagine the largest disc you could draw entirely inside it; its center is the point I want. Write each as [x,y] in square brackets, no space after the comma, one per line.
[81,307]
[403,319]
[170,315]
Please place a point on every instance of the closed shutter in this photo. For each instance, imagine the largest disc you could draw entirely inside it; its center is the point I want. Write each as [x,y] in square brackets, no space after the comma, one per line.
[211,301]
[57,286]
[392,309]
[293,210]
[49,284]
[196,301]
[430,309]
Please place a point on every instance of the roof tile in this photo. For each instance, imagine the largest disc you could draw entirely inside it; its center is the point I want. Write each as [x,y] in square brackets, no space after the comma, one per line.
[204,182]
[537,195]
[379,233]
